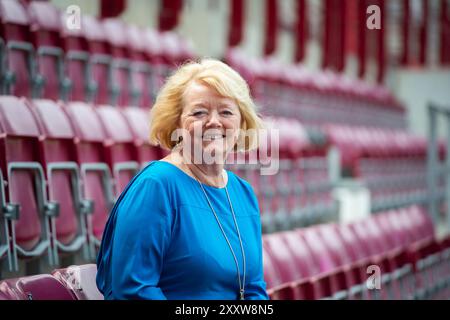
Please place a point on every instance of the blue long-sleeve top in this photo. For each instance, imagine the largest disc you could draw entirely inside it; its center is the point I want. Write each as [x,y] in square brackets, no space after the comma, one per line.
[162,240]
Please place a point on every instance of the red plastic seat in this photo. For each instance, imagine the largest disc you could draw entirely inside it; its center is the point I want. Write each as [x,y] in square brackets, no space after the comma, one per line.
[121,153]
[282,257]
[321,255]
[45,26]
[140,68]
[115,34]
[91,158]
[80,84]
[30,214]
[19,74]
[37,287]
[58,156]
[334,244]
[80,280]
[138,121]
[99,59]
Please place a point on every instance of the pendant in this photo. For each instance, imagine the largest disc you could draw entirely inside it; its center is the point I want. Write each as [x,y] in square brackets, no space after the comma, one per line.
[242,294]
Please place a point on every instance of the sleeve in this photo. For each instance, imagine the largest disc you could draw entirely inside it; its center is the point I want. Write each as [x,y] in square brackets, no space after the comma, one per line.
[141,238]
[256,287]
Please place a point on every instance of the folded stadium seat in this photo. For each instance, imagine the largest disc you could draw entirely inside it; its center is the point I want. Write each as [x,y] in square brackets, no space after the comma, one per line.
[80,280]
[95,173]
[372,242]
[141,71]
[45,26]
[322,257]
[19,75]
[354,246]
[100,59]
[154,54]
[121,153]
[271,274]
[37,287]
[138,120]
[282,257]
[81,86]
[331,239]
[292,267]
[58,156]
[116,35]
[300,253]
[29,215]
[171,51]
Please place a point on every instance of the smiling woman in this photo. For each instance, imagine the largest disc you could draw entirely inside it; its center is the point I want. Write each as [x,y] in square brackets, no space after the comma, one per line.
[185,228]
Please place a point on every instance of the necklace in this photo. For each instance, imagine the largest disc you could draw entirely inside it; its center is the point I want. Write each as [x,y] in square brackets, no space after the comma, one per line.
[241,284]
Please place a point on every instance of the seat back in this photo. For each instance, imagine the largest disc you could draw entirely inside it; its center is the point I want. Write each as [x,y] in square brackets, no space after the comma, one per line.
[80,280]
[282,257]
[45,25]
[63,175]
[321,256]
[115,34]
[141,71]
[37,287]
[334,244]
[19,144]
[100,59]
[121,152]
[19,73]
[90,153]
[301,254]
[138,121]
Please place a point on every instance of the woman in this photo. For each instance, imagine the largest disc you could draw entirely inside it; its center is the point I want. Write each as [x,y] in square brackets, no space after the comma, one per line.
[184,228]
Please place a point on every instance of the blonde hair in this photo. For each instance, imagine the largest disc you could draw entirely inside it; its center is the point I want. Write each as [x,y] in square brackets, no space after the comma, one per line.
[166,112]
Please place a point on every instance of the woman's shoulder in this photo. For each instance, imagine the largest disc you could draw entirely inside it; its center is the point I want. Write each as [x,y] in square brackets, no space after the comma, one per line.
[159,171]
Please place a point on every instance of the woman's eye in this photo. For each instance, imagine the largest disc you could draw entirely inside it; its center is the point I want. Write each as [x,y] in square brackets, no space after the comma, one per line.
[198,113]
[227,112]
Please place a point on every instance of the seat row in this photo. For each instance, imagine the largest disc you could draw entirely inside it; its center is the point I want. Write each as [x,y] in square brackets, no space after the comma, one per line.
[393,255]
[62,167]
[106,62]
[318,97]
[390,255]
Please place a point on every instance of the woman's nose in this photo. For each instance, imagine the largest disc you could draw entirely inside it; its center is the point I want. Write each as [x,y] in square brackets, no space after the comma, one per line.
[214,120]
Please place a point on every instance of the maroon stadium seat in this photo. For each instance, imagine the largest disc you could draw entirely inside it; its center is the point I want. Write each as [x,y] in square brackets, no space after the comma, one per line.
[91,158]
[115,34]
[19,159]
[45,26]
[320,253]
[58,156]
[80,280]
[138,121]
[121,153]
[37,287]
[80,84]
[99,59]
[19,74]
[141,70]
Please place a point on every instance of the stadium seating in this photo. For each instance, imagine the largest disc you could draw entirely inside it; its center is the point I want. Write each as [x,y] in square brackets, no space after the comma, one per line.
[97,179]
[49,56]
[58,158]
[31,214]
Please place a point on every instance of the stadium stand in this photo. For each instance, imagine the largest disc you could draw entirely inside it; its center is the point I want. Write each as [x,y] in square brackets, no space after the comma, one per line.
[73,132]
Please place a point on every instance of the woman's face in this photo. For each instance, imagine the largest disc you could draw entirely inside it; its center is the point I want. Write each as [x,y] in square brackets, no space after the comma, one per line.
[211,123]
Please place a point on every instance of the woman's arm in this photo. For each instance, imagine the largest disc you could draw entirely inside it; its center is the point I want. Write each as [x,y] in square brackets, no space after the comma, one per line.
[141,237]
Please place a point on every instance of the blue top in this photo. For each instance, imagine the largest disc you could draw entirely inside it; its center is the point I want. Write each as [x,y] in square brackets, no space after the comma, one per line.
[162,240]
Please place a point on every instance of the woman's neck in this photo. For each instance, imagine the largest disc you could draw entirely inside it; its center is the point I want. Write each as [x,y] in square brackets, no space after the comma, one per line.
[209,174]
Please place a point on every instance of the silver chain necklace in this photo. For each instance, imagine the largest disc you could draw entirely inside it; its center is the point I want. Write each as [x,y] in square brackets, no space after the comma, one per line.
[241,284]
